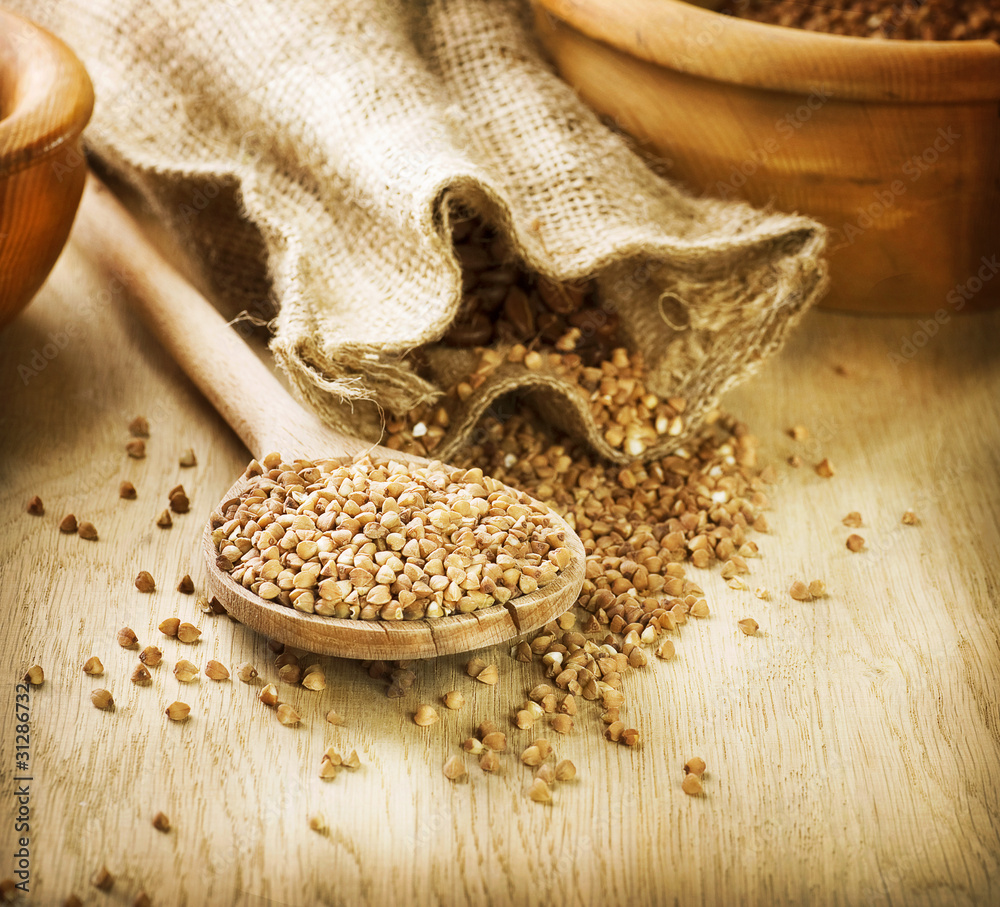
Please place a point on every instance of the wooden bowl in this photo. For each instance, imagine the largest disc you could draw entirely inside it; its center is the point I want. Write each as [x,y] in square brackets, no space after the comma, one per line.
[894,145]
[45,101]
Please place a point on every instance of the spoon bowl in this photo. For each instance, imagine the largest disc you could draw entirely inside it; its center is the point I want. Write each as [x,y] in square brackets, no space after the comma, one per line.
[247,395]
[389,639]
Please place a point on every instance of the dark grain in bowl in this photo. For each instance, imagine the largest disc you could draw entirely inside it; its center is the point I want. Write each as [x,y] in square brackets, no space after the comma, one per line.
[909,20]
[712,94]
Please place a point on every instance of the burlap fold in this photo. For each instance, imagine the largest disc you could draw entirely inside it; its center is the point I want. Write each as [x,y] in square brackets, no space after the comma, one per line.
[309,155]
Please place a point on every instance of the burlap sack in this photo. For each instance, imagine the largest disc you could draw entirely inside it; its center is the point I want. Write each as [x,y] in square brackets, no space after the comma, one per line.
[308,154]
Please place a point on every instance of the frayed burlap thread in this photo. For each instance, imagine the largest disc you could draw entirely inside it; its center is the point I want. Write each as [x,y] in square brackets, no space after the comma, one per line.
[307,155]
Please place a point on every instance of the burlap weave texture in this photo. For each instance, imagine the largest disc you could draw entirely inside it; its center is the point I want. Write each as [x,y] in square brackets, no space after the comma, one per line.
[308,154]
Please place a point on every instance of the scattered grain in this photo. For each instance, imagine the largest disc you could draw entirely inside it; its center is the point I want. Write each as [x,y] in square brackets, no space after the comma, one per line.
[473,746]
[910,518]
[216,670]
[126,490]
[453,700]
[187,458]
[454,768]
[666,651]
[164,520]
[140,675]
[187,632]
[853,519]
[151,656]
[36,507]
[695,766]
[68,524]
[93,666]
[630,737]
[532,755]
[539,791]
[700,608]
[488,675]
[561,724]
[749,626]
[800,591]
[855,542]
[314,679]
[127,638]
[161,822]
[178,711]
[824,468]
[178,500]
[139,427]
[87,530]
[565,770]
[496,741]
[425,715]
[546,771]
[102,699]
[691,785]
[102,879]
[35,675]
[185,671]
[287,715]
[269,695]
[186,585]
[144,581]
[136,448]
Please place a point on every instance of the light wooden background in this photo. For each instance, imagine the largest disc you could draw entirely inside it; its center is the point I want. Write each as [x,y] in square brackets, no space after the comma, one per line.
[852,747]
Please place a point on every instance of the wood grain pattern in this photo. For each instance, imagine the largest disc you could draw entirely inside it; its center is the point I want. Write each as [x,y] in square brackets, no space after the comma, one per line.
[852,749]
[45,101]
[267,418]
[893,145]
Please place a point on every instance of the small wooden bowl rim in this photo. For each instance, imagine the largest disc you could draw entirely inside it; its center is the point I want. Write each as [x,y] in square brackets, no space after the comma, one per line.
[712,45]
[53,97]
[385,640]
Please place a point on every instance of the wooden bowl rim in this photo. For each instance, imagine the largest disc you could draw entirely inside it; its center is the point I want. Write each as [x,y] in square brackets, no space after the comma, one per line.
[779,58]
[52,112]
[388,640]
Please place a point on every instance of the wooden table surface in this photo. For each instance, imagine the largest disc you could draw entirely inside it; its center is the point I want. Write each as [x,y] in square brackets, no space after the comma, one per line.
[853,748]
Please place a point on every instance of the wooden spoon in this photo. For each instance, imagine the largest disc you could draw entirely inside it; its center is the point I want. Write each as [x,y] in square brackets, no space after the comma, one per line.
[250,398]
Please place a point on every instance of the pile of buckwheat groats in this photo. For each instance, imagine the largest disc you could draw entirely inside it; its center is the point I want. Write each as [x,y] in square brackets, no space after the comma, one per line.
[394,541]
[512,317]
[921,20]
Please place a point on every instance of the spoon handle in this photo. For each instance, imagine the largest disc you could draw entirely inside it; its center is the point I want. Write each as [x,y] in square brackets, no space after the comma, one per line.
[243,390]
